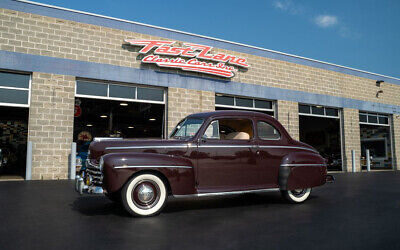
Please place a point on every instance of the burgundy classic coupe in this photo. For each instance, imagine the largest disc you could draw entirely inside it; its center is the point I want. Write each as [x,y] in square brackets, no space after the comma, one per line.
[215,153]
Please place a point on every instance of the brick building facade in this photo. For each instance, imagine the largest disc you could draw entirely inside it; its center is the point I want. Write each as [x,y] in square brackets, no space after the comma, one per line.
[58,48]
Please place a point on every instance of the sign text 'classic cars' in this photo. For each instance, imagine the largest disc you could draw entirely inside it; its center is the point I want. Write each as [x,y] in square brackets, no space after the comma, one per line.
[187,57]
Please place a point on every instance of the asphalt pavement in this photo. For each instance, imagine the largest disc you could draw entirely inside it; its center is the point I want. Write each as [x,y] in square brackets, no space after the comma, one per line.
[359,211]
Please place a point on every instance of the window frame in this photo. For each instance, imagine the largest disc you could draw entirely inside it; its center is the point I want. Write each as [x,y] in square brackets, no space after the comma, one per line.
[310,106]
[272,109]
[377,115]
[258,136]
[118,98]
[10,104]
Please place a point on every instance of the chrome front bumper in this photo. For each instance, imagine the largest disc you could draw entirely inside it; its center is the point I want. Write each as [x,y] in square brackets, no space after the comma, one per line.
[92,180]
[82,188]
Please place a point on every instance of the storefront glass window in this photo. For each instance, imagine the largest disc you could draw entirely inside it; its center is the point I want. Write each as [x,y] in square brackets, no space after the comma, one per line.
[331,112]
[244,102]
[383,120]
[225,100]
[122,91]
[14,80]
[91,88]
[304,109]
[150,94]
[14,88]
[374,118]
[317,110]
[14,96]
[376,138]
[263,104]
[363,118]
[109,118]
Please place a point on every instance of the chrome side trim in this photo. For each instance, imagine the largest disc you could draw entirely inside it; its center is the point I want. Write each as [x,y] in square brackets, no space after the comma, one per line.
[135,147]
[294,147]
[227,146]
[148,166]
[107,139]
[299,164]
[227,193]
[210,146]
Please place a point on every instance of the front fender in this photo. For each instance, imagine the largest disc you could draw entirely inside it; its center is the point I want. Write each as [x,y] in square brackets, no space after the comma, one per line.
[299,170]
[118,168]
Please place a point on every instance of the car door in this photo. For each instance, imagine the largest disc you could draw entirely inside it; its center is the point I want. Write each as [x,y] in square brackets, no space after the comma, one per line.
[226,157]
[269,151]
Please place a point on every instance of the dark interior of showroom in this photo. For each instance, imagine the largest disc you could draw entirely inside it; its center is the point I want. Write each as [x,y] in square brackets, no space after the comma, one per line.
[13,139]
[376,139]
[324,135]
[109,118]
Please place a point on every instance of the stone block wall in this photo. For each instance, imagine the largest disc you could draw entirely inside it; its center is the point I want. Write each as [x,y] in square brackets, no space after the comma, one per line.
[351,138]
[183,102]
[51,119]
[288,116]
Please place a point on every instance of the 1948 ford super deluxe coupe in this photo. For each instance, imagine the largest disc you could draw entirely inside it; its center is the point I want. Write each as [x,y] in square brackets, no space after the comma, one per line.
[214,153]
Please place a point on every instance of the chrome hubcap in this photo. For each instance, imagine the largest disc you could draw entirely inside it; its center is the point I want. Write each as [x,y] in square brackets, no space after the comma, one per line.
[145,193]
[299,192]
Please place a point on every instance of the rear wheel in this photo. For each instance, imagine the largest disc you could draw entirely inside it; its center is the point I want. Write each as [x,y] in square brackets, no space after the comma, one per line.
[297,195]
[144,195]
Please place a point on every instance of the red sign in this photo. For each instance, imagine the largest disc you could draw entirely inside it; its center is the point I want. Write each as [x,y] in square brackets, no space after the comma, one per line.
[78,111]
[187,57]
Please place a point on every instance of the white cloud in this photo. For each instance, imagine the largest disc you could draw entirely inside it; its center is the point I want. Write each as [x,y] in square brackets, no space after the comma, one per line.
[281,5]
[322,20]
[288,6]
[326,21]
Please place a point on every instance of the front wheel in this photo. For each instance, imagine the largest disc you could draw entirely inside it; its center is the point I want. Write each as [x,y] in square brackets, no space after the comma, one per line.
[297,195]
[144,195]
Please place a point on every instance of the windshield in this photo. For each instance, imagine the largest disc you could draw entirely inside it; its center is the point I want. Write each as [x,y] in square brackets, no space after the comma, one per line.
[186,128]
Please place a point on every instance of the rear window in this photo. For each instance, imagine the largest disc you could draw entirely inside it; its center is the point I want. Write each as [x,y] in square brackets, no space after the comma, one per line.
[267,132]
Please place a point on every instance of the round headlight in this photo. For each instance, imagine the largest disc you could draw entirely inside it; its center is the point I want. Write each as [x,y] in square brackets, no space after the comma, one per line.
[101,163]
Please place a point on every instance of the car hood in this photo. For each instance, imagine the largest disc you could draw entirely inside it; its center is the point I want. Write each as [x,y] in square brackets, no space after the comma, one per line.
[101,147]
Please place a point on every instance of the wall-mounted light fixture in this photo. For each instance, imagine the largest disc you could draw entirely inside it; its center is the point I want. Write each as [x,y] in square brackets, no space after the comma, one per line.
[379,92]
[378,83]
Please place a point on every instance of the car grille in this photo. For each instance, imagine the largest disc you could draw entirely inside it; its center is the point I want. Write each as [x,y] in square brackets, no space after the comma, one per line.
[94,173]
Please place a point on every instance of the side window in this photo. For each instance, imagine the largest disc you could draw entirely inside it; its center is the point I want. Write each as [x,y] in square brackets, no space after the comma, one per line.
[212,132]
[230,129]
[267,132]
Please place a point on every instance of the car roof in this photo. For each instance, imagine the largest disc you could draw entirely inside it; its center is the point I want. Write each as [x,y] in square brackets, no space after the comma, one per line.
[205,115]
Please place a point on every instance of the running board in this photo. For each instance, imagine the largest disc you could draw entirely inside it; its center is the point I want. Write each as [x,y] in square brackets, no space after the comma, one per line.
[228,193]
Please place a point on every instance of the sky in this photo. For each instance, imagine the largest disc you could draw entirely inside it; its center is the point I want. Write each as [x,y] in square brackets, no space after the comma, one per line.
[363,34]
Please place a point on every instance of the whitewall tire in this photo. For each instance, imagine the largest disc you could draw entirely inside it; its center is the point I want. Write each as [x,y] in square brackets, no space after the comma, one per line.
[144,195]
[297,195]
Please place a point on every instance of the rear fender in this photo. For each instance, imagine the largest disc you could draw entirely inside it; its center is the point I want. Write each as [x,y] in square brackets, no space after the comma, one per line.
[299,170]
[118,168]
